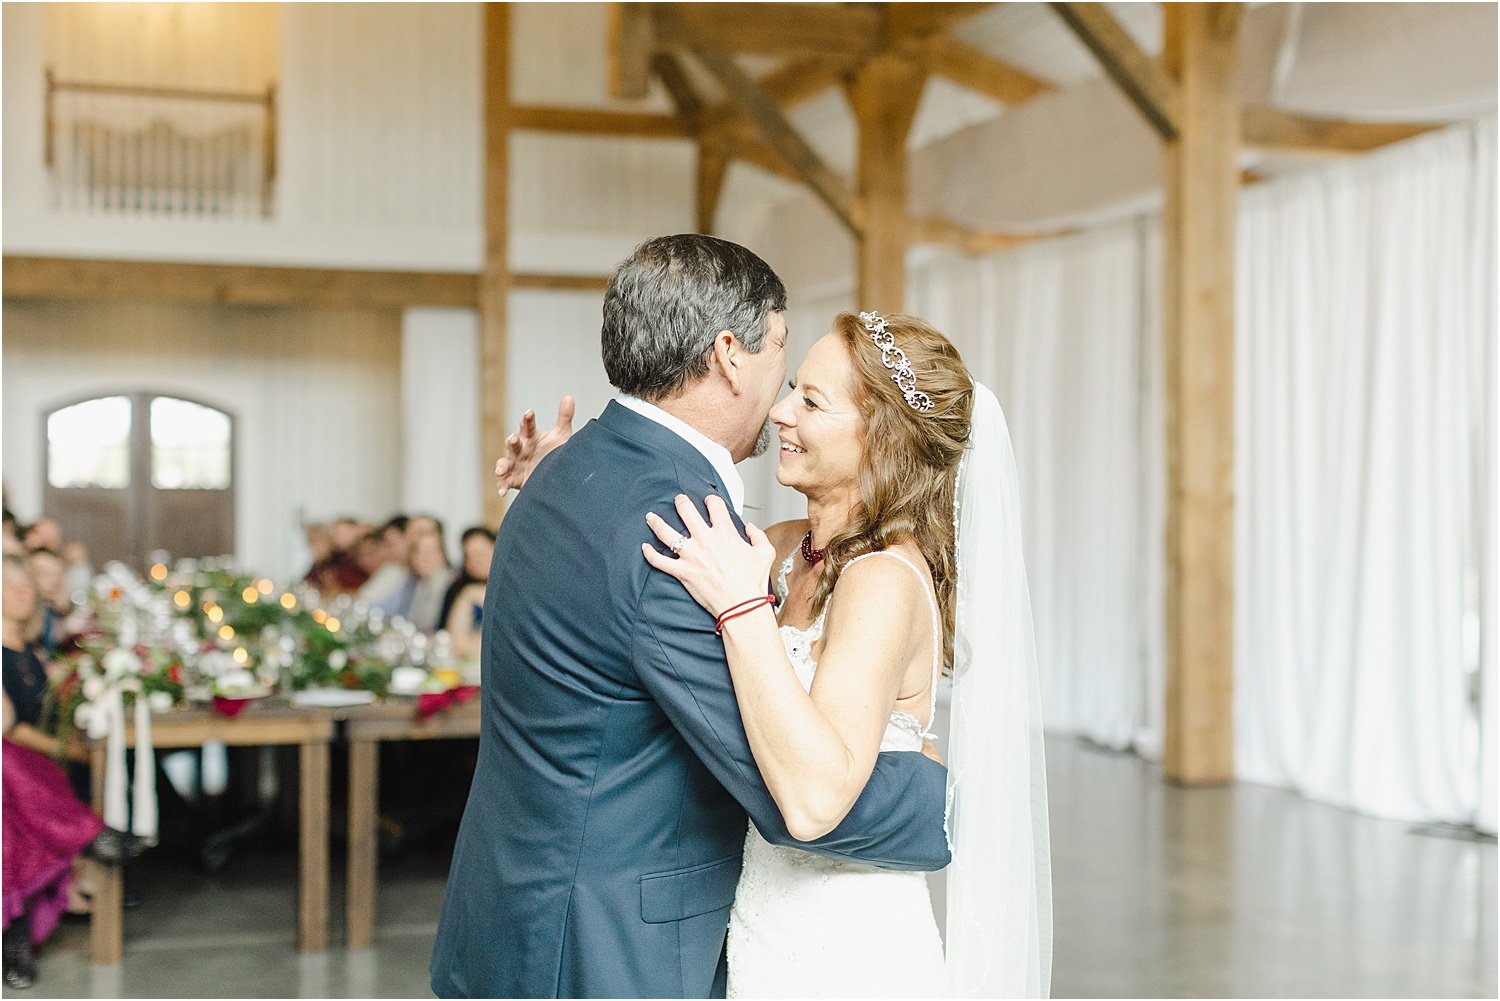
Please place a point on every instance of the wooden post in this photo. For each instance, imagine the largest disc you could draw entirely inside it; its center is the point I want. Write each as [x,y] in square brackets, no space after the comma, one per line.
[1198,219]
[713,165]
[884,95]
[494,278]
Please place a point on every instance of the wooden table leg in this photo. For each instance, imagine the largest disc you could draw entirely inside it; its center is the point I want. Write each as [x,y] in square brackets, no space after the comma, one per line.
[106,921]
[312,898]
[359,900]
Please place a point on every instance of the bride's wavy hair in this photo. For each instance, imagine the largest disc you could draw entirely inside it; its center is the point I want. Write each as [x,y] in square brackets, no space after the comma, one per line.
[909,470]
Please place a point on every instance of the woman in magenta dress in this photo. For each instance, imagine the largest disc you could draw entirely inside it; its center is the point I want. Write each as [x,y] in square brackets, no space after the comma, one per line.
[43,827]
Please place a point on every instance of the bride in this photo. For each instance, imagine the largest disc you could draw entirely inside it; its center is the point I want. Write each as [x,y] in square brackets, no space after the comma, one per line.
[908,566]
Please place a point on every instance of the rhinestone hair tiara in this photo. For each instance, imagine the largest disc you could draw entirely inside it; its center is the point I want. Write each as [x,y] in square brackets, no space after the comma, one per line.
[894,359]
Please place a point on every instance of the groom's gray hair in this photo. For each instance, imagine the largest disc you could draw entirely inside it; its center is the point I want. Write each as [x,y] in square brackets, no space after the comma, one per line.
[669,300]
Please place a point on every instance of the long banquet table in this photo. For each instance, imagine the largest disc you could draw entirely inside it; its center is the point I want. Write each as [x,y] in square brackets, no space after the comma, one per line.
[311,730]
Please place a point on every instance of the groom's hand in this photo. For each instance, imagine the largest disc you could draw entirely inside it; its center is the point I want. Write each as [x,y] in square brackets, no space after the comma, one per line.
[526,448]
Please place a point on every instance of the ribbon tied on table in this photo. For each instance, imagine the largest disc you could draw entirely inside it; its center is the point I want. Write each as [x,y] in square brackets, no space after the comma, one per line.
[104,719]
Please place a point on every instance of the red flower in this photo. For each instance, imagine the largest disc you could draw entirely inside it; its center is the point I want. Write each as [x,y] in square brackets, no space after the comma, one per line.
[174,674]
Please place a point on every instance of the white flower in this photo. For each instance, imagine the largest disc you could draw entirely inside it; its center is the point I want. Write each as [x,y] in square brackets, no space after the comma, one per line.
[121,661]
[129,684]
[93,688]
[159,702]
[337,660]
[231,680]
[82,715]
[216,662]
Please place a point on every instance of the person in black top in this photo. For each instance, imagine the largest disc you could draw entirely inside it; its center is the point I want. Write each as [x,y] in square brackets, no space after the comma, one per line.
[45,828]
[478,547]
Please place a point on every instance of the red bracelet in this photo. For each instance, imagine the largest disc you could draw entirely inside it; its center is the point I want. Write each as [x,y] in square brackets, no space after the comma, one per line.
[743,608]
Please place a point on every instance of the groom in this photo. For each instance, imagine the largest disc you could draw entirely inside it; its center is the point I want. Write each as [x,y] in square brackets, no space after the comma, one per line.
[601,845]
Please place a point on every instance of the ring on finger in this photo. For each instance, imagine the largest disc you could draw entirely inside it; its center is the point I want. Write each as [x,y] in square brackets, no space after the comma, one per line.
[678,543]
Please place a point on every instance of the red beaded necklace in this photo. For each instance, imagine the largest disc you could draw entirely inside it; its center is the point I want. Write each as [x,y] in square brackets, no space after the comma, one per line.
[810,554]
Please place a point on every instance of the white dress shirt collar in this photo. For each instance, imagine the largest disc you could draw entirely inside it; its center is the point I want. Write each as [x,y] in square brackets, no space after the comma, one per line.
[717,455]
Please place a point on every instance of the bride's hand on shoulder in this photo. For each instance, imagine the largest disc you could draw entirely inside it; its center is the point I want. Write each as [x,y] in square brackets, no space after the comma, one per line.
[718,568]
[525,448]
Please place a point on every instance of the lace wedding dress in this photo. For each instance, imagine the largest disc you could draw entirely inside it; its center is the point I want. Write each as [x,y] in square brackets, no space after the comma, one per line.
[807,926]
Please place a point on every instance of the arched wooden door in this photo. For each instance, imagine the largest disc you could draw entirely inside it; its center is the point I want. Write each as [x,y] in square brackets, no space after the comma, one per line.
[131,473]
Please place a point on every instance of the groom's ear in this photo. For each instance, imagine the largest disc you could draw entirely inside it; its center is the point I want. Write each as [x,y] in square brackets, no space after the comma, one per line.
[727,354]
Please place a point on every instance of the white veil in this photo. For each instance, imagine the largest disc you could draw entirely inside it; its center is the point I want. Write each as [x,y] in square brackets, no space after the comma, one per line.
[999,888]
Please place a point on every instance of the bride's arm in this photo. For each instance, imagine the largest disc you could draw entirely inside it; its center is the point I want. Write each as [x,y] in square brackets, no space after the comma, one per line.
[815,752]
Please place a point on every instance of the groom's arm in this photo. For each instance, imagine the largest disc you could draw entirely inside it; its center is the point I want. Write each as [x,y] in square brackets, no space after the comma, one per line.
[896,823]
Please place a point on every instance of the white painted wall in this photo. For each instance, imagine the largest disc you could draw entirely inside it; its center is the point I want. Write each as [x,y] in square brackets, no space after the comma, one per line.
[441,463]
[379,148]
[316,396]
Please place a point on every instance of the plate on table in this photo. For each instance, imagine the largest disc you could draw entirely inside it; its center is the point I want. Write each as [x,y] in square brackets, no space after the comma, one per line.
[332,698]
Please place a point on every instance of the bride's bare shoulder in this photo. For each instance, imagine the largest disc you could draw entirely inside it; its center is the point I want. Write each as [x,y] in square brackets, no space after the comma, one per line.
[784,535]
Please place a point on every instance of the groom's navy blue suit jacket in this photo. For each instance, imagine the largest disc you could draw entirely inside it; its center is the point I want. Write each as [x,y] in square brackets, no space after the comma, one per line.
[601,844]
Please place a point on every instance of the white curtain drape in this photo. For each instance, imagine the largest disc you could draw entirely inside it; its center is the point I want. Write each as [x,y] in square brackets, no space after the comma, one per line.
[1058,330]
[441,470]
[1361,315]
[1486,396]
[1366,498]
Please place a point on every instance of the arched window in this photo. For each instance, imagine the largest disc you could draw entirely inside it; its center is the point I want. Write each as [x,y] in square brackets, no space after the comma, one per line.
[131,473]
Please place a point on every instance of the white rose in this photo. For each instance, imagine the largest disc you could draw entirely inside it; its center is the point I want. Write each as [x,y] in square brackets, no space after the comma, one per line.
[216,662]
[82,715]
[238,678]
[121,661]
[130,684]
[93,688]
[337,660]
[159,702]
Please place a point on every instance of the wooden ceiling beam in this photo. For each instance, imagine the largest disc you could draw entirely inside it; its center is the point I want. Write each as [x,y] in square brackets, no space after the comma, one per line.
[1276,130]
[827,29]
[588,121]
[630,42]
[1140,77]
[980,72]
[758,152]
[937,231]
[798,81]
[918,21]
[761,109]
[674,78]
[560,283]
[233,284]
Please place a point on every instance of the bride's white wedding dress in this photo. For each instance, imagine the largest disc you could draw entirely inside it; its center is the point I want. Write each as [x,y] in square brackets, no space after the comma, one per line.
[807,926]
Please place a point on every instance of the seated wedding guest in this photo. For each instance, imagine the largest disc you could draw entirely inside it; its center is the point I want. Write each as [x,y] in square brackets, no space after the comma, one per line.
[61,619]
[340,573]
[369,556]
[420,598]
[387,580]
[12,535]
[477,546]
[318,547]
[45,533]
[465,619]
[423,524]
[44,830]
[76,567]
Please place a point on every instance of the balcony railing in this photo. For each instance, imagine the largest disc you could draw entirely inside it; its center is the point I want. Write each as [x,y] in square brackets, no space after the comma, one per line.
[118,149]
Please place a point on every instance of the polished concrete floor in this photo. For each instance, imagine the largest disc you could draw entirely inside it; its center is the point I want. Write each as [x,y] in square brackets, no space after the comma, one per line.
[1159,892]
